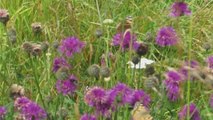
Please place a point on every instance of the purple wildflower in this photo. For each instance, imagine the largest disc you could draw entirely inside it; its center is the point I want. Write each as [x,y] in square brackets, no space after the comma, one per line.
[211,101]
[172,85]
[29,110]
[142,97]
[210,61]
[166,37]
[179,9]
[193,112]
[125,40]
[70,46]
[122,94]
[33,111]
[3,112]
[21,102]
[58,63]
[67,87]
[88,117]
[4,16]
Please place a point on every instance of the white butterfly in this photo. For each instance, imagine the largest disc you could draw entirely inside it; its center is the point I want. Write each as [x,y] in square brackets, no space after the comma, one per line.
[141,65]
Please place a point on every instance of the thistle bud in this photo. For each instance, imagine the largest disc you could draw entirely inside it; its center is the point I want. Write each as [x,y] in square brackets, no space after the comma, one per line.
[28,47]
[4,16]
[62,73]
[44,46]
[12,35]
[36,51]
[98,33]
[94,70]
[150,70]
[135,59]
[55,44]
[105,72]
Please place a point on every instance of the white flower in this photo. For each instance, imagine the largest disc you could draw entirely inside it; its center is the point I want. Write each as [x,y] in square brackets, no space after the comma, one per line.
[141,65]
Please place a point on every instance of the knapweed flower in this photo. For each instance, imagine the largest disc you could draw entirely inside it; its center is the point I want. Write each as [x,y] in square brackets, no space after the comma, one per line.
[3,112]
[99,99]
[87,117]
[179,9]
[59,63]
[67,87]
[172,85]
[122,94]
[33,111]
[29,109]
[71,45]
[4,16]
[211,101]
[210,62]
[141,97]
[193,112]
[166,36]
[124,40]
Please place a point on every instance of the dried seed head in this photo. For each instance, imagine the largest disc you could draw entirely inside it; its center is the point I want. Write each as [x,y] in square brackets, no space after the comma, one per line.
[44,46]
[36,27]
[94,70]
[135,59]
[62,73]
[36,51]
[98,33]
[16,91]
[142,49]
[105,72]
[28,47]
[4,16]
[150,70]
[12,35]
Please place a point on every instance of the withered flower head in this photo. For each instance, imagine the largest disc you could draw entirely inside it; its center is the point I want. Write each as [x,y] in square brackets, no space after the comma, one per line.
[36,51]
[36,27]
[16,91]
[28,47]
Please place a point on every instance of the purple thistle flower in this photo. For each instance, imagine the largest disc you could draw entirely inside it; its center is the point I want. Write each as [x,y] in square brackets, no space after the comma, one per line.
[33,112]
[95,96]
[58,63]
[172,85]
[125,40]
[99,99]
[4,16]
[211,101]
[70,46]
[193,112]
[3,112]
[21,102]
[88,117]
[142,97]
[67,87]
[179,9]
[29,110]
[210,62]
[166,37]
[122,94]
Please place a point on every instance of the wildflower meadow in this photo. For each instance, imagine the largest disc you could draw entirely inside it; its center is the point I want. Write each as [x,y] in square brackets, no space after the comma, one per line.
[106,59]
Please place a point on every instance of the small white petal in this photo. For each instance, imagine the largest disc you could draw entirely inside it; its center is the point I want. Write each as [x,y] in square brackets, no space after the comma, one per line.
[141,65]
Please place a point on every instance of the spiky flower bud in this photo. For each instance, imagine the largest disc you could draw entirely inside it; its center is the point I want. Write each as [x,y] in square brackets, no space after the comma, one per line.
[36,27]
[98,33]
[55,44]
[135,59]
[28,47]
[4,16]
[36,51]
[150,70]
[94,70]
[44,46]
[12,35]
[105,72]
[16,91]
